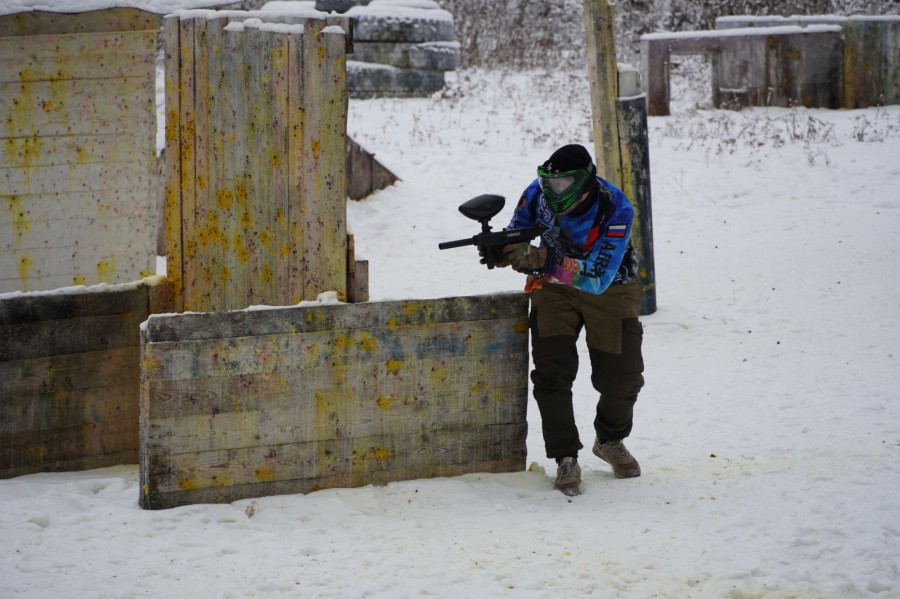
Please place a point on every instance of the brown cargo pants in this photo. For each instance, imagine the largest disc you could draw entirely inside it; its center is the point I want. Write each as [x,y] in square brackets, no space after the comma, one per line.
[613,334]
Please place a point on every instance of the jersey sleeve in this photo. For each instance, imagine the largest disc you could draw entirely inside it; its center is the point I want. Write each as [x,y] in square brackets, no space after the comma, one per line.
[525,214]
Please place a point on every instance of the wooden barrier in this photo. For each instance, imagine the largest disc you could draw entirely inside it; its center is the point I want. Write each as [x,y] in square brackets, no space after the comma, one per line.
[77,168]
[255,137]
[814,61]
[870,63]
[70,376]
[772,66]
[290,400]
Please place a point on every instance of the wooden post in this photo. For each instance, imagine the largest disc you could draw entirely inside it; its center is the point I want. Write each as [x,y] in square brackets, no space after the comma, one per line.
[634,145]
[602,70]
[620,135]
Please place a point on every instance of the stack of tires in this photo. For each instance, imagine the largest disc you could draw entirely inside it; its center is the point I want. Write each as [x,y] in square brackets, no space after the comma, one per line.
[401,48]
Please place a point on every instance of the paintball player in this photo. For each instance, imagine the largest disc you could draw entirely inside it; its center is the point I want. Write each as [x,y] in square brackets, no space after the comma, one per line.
[583,275]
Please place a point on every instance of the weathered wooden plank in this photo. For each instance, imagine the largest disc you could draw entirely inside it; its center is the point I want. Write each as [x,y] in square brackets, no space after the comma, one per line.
[117,148]
[116,401]
[262,222]
[272,353]
[94,56]
[280,243]
[68,446]
[333,81]
[70,335]
[89,205]
[51,268]
[115,234]
[295,247]
[191,273]
[382,315]
[93,21]
[208,287]
[237,179]
[67,179]
[304,467]
[353,416]
[55,306]
[70,372]
[173,217]
[80,107]
[384,382]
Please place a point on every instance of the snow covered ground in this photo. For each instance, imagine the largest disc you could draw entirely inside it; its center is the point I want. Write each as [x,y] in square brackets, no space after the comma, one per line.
[768,432]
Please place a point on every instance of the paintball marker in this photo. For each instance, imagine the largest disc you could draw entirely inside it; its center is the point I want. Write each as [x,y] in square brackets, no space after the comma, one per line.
[483,208]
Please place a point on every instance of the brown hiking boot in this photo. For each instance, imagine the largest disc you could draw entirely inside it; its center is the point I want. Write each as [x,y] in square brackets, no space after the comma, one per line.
[568,476]
[617,455]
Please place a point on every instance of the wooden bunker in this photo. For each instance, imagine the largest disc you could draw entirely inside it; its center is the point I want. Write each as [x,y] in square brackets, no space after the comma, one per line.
[823,62]
[214,400]
[251,403]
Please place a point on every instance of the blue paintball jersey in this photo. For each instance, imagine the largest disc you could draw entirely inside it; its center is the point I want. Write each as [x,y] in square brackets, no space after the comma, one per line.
[589,249]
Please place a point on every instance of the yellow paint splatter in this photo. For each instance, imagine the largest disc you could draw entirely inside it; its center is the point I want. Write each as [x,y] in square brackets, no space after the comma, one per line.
[224,199]
[520,326]
[25,263]
[385,402]
[78,280]
[393,365]
[20,222]
[265,474]
[106,269]
[285,250]
[380,453]
[342,342]
[368,343]
[266,274]
[188,484]
[265,237]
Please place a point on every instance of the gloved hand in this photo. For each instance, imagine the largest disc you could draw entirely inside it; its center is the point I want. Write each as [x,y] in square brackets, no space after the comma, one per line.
[500,260]
[526,258]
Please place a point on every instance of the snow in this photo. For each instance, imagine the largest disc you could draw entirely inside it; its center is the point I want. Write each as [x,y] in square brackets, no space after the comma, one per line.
[744,32]
[767,431]
[161,7]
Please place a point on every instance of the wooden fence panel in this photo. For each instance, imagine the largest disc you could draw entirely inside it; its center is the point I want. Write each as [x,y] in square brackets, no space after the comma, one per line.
[260,164]
[70,376]
[79,117]
[251,403]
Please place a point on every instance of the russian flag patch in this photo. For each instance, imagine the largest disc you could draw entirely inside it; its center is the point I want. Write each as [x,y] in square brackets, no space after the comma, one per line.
[616,230]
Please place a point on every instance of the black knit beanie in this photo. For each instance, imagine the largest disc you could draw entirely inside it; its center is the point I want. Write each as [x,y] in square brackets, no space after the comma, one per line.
[568,158]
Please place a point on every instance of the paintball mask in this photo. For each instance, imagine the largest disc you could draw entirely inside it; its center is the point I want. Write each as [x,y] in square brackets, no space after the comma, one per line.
[565,176]
[561,190]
